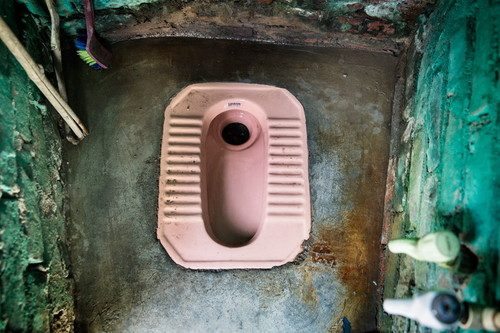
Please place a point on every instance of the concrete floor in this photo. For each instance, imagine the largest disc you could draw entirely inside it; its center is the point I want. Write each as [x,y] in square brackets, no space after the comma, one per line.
[126,281]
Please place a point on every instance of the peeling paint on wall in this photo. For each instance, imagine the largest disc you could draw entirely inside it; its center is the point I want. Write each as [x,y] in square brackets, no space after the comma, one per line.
[447,174]
[35,286]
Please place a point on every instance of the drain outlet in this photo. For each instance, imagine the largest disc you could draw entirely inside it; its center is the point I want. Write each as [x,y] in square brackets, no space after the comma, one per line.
[235,134]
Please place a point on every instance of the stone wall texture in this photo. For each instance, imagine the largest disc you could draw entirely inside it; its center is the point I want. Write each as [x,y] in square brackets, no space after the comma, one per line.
[35,286]
[376,18]
[448,164]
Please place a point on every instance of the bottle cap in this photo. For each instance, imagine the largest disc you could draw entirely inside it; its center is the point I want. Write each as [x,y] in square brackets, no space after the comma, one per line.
[439,247]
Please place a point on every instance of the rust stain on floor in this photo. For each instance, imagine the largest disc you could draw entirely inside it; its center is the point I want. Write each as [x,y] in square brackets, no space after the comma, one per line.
[351,250]
[323,253]
[346,248]
[308,292]
[350,245]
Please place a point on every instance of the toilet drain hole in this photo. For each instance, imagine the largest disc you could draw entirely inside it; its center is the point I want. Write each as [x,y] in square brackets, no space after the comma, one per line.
[235,134]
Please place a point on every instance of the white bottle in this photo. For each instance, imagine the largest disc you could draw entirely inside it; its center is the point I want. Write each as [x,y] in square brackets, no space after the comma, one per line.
[440,247]
[438,310]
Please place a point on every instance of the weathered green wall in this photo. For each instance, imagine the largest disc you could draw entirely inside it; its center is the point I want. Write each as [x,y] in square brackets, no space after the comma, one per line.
[35,287]
[447,173]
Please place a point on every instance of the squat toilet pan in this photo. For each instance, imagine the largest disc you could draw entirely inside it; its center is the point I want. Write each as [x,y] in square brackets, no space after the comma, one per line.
[234,187]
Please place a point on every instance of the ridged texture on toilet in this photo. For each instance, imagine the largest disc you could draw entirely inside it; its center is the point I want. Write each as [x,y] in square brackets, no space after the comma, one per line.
[286,178]
[274,213]
[182,193]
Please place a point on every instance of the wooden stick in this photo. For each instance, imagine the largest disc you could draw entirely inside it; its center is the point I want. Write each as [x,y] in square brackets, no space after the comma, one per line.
[55,45]
[41,81]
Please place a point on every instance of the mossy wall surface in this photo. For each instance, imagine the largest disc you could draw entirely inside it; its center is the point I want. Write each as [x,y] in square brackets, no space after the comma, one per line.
[448,167]
[35,287]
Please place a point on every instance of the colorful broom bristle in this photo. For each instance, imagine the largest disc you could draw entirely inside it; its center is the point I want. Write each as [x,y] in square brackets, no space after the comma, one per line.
[87,44]
[80,44]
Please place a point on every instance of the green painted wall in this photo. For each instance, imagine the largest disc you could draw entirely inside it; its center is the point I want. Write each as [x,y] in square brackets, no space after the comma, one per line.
[448,168]
[35,286]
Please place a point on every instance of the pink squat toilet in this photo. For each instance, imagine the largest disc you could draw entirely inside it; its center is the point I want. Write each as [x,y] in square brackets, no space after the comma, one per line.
[234,187]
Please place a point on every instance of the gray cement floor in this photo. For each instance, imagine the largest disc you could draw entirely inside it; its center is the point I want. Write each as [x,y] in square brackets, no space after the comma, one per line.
[126,281]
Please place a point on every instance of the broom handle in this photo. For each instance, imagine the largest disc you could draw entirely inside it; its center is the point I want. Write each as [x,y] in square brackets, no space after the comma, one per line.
[40,80]
[89,17]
